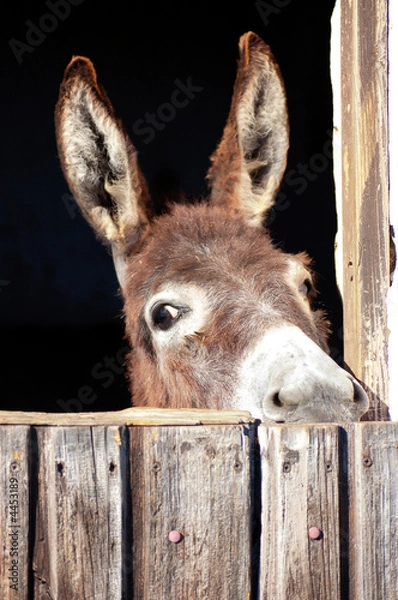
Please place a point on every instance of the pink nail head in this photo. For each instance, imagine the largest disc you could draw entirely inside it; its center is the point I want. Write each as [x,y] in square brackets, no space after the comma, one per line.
[314,533]
[175,536]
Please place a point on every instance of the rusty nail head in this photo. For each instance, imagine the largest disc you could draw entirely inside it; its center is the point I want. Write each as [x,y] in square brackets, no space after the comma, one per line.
[314,533]
[175,536]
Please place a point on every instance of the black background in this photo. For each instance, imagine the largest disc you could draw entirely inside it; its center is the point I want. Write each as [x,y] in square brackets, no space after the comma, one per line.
[61,329]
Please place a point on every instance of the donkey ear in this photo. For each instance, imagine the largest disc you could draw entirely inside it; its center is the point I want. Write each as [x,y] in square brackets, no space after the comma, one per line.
[99,161]
[250,161]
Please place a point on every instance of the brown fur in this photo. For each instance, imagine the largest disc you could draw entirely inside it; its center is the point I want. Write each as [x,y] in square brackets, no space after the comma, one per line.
[258,82]
[239,263]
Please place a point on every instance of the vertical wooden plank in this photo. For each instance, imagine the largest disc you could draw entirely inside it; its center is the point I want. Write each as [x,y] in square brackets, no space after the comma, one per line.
[373,502]
[300,490]
[197,481]
[80,529]
[335,75]
[362,175]
[392,298]
[14,512]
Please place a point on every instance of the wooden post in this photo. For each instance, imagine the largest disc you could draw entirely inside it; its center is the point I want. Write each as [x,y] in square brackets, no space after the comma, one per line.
[392,300]
[359,55]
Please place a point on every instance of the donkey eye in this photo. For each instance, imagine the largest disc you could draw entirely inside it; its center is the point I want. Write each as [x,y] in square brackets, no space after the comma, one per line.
[165,315]
[306,287]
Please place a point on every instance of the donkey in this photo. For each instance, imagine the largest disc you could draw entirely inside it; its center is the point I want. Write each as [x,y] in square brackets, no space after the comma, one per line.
[216,315]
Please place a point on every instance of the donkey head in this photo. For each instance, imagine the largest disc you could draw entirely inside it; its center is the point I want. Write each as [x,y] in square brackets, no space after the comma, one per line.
[217,317]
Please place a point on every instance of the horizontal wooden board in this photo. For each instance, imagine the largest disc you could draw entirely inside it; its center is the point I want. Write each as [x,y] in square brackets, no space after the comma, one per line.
[129,416]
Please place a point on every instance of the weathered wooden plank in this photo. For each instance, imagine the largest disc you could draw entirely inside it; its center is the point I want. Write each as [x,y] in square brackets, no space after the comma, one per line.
[14,512]
[361,173]
[129,416]
[81,533]
[300,490]
[196,480]
[373,515]
[392,297]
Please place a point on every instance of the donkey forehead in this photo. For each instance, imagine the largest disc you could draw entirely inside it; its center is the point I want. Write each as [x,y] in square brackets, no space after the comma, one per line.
[230,304]
[220,255]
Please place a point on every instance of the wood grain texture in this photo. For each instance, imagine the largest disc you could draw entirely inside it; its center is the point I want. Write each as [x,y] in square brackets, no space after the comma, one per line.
[373,515]
[300,489]
[361,171]
[129,416]
[196,480]
[14,512]
[96,505]
[392,298]
[80,524]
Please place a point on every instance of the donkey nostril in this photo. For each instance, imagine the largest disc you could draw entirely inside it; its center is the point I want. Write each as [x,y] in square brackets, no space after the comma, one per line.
[360,396]
[276,401]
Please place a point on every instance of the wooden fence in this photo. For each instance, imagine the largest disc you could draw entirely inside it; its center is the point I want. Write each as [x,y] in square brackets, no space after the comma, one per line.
[88,502]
